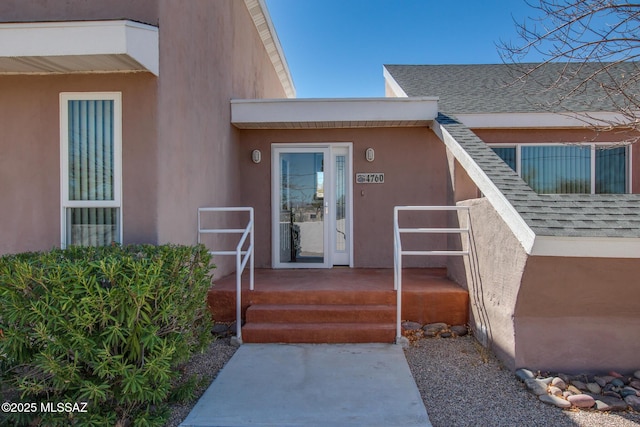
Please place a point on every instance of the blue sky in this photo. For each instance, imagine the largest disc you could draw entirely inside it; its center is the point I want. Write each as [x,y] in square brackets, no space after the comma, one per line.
[336,48]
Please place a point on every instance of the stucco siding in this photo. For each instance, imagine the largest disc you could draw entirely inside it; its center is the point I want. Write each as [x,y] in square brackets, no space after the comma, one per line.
[412,159]
[578,315]
[78,10]
[210,52]
[494,271]
[30,159]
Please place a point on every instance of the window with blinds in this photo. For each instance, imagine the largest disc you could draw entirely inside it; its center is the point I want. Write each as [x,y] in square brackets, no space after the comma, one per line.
[91,168]
[562,169]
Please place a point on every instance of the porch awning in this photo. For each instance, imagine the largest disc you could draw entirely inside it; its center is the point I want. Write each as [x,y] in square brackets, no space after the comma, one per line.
[78,47]
[333,113]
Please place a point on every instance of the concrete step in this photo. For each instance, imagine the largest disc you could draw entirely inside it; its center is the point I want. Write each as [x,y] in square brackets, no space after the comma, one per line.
[325,333]
[316,313]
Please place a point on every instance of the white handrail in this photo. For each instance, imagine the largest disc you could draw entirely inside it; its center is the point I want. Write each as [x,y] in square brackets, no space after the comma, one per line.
[241,262]
[398,252]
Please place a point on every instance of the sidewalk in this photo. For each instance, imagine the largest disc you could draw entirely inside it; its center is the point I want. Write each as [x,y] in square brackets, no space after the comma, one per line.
[312,385]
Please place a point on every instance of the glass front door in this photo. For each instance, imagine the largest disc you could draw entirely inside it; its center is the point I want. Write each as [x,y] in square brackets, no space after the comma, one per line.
[310,199]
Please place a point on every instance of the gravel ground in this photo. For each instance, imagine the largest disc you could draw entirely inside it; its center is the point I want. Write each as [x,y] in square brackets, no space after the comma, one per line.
[206,366]
[461,383]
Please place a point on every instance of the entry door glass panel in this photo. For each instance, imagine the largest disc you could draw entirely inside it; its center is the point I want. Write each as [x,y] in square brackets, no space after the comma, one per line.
[341,204]
[302,208]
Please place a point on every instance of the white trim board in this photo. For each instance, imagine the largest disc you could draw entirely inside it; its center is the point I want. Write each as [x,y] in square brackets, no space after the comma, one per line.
[538,120]
[533,244]
[246,113]
[587,247]
[87,46]
[505,209]
[393,84]
[262,20]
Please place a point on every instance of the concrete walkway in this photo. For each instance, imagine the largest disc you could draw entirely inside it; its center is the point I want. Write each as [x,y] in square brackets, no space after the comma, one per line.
[312,385]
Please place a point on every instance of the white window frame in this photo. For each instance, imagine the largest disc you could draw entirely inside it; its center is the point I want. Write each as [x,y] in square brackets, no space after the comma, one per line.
[65,203]
[592,145]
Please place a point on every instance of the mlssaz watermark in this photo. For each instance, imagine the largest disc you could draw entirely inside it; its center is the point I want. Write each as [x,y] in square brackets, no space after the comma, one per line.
[44,407]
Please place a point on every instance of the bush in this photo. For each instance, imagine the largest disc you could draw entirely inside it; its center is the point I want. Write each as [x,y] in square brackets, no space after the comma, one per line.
[108,326]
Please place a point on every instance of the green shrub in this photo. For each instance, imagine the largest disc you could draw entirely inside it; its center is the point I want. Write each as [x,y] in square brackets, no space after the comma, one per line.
[107,326]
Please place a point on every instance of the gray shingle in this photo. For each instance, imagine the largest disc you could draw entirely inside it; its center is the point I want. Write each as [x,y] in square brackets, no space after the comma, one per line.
[569,215]
[495,88]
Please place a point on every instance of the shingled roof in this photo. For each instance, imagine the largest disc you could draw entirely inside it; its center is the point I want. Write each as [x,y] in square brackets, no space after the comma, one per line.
[500,88]
[465,89]
[567,215]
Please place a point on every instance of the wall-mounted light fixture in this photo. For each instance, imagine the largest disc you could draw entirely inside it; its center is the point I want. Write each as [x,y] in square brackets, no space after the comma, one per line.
[370,155]
[256,156]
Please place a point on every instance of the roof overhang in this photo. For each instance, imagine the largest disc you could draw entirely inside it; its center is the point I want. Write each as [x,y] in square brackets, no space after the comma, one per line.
[586,247]
[333,113]
[262,20]
[538,120]
[78,47]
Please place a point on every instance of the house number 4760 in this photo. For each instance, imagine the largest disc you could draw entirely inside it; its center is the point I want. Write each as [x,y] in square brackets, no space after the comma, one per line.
[370,178]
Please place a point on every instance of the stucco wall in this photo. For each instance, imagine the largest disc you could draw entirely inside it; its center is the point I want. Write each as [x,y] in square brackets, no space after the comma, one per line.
[78,10]
[414,163]
[578,315]
[210,52]
[494,271]
[30,156]
[459,187]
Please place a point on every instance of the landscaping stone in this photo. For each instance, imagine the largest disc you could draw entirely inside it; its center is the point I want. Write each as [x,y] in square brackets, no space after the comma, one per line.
[566,378]
[546,380]
[411,326]
[633,401]
[607,379]
[446,334]
[554,400]
[559,382]
[582,401]
[611,393]
[524,374]
[460,330]
[617,382]
[606,403]
[536,386]
[601,381]
[584,391]
[615,374]
[434,329]
[554,391]
[637,374]
[594,388]
[220,329]
[628,391]
[579,385]
[574,390]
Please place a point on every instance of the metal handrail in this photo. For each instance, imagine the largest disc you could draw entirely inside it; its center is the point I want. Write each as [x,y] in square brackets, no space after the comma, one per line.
[242,257]
[398,252]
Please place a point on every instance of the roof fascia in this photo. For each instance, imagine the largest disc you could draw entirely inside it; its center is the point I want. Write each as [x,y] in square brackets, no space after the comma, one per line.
[503,207]
[538,120]
[587,247]
[339,110]
[393,84]
[87,38]
[262,21]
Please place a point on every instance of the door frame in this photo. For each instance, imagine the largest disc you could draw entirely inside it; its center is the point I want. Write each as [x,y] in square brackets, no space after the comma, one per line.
[329,176]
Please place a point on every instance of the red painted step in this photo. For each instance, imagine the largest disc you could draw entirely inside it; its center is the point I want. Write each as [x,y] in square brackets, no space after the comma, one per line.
[314,313]
[310,333]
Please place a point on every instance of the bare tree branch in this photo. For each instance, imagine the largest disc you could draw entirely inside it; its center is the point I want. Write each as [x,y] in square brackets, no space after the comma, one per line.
[589,49]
